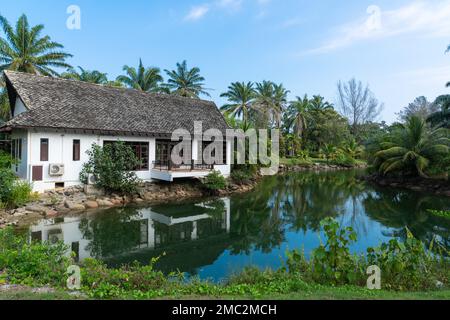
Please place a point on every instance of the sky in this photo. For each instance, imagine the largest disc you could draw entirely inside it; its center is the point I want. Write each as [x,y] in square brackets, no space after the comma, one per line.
[397,47]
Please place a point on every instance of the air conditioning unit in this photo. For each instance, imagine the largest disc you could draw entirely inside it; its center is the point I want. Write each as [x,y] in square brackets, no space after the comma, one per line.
[55,236]
[92,179]
[56,169]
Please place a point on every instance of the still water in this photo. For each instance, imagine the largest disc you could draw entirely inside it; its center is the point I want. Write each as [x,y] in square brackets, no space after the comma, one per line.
[214,238]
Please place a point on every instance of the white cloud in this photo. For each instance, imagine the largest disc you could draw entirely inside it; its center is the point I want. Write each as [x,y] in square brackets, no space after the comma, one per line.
[424,18]
[197,12]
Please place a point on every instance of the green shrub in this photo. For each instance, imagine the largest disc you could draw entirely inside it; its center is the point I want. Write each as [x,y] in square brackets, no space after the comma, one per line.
[214,182]
[243,174]
[103,282]
[112,167]
[21,193]
[332,262]
[13,192]
[405,265]
[32,264]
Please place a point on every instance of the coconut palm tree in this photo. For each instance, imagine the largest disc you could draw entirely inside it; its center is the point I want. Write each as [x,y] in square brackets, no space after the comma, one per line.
[264,104]
[240,95]
[143,79]
[186,82]
[24,49]
[94,76]
[297,115]
[412,147]
[280,94]
[319,103]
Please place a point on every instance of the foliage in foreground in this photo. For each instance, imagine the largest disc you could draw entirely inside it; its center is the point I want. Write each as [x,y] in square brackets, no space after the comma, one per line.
[112,166]
[405,267]
[31,264]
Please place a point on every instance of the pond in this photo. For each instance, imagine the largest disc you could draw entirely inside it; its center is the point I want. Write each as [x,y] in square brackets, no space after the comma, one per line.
[213,238]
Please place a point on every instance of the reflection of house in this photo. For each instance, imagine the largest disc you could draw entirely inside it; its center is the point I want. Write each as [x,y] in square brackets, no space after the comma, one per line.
[55,121]
[153,228]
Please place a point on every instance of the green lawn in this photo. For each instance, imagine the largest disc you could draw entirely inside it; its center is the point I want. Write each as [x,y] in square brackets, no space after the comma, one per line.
[319,293]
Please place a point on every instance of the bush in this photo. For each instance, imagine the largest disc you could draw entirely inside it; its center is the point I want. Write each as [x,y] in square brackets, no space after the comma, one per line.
[332,261]
[32,264]
[243,174]
[21,193]
[13,192]
[214,182]
[112,167]
[405,265]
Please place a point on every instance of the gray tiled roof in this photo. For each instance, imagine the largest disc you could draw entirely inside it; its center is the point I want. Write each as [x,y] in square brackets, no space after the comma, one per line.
[68,104]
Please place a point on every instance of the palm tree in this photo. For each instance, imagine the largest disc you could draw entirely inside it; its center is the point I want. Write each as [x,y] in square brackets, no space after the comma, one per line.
[441,118]
[328,151]
[94,76]
[186,82]
[319,103]
[264,104]
[412,147]
[280,94]
[240,95]
[143,79]
[297,115]
[24,50]
[4,104]
[353,149]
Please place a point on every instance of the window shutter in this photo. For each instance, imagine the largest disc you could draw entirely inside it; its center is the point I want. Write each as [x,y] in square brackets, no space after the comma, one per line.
[44,149]
[37,173]
[76,150]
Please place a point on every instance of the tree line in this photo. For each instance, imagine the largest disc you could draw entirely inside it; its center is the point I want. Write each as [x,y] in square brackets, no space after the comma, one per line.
[310,126]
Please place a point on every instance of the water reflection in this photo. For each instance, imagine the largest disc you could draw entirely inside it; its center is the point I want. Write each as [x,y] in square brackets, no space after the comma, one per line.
[216,237]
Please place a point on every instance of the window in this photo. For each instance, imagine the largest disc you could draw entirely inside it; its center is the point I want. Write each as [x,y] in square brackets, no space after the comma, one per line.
[16,152]
[141,150]
[44,149]
[76,150]
[221,161]
[37,173]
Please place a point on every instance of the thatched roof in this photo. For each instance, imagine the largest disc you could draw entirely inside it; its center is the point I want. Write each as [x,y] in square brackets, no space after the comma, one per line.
[55,103]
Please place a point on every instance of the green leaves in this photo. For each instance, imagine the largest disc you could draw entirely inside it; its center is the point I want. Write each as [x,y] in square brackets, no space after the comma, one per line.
[24,50]
[112,166]
[86,76]
[143,79]
[214,182]
[332,261]
[186,82]
[411,148]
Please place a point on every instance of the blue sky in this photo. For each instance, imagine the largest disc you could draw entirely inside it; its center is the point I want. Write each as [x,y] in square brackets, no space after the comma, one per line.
[398,47]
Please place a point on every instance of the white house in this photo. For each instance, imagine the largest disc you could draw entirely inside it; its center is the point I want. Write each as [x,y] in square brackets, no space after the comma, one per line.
[55,121]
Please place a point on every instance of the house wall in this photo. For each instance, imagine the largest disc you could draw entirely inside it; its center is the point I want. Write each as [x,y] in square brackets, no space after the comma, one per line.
[61,152]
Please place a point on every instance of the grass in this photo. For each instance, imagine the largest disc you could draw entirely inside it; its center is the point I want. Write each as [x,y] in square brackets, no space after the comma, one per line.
[315,293]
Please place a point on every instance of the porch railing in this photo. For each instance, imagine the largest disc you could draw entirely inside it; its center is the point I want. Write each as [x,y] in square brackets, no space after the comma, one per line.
[170,166]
